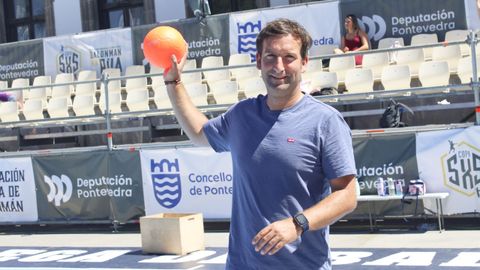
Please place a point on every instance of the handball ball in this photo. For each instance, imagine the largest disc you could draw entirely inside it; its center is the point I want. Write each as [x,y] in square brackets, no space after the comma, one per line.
[161,43]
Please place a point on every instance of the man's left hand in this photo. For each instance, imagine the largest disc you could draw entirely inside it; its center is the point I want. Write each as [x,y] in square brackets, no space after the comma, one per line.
[275,236]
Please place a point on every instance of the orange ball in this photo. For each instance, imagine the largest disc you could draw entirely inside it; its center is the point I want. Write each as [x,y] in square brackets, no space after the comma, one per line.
[161,43]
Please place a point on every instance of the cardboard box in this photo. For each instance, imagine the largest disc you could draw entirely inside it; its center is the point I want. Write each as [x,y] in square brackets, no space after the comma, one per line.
[172,233]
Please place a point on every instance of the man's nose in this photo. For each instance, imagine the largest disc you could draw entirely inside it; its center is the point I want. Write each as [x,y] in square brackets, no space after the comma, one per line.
[278,65]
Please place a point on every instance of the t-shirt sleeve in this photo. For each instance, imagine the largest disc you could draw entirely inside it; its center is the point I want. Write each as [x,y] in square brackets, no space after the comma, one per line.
[216,131]
[337,150]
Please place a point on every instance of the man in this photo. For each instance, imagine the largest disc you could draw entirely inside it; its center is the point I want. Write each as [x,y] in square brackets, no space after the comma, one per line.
[289,152]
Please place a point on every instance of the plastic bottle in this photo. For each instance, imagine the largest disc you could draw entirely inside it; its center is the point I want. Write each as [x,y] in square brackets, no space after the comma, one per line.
[398,187]
[391,186]
[380,187]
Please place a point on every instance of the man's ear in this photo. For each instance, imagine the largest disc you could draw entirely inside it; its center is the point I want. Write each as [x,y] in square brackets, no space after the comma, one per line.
[259,60]
[304,63]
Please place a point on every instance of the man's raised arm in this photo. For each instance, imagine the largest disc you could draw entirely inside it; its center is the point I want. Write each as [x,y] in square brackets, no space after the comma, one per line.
[189,117]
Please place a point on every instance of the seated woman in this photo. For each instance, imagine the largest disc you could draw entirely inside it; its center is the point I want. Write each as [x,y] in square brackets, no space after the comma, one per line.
[355,39]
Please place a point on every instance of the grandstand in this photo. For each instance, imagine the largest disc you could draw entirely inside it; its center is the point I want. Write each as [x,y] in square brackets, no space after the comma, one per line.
[122,107]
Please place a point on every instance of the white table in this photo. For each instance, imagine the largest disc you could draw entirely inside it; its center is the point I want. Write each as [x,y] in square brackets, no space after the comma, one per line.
[438,197]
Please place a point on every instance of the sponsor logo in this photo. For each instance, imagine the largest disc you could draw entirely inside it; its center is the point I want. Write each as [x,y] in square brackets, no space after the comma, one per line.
[374,26]
[461,168]
[247,35]
[60,188]
[166,182]
[68,60]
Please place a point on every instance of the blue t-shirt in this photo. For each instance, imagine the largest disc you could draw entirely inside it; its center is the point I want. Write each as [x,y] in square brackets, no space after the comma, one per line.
[282,161]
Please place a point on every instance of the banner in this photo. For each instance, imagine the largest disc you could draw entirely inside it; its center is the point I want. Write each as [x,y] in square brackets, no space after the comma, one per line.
[88,51]
[21,60]
[472,10]
[393,18]
[17,191]
[449,161]
[384,156]
[187,180]
[320,20]
[89,186]
[207,37]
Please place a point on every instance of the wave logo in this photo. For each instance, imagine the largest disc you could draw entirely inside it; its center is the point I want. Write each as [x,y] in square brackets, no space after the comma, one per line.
[60,188]
[461,168]
[68,60]
[374,26]
[166,182]
[247,36]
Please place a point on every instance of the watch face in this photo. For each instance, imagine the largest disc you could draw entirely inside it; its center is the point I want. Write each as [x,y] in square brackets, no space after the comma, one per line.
[302,221]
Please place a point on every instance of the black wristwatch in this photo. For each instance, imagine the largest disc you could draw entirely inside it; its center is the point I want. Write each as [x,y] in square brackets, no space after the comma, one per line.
[301,221]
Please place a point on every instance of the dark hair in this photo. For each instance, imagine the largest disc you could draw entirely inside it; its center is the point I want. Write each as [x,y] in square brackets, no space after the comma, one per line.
[354,21]
[283,27]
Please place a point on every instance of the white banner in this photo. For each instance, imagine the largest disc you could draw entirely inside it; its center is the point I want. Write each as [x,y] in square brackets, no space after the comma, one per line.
[321,21]
[472,12]
[187,180]
[88,51]
[449,161]
[18,199]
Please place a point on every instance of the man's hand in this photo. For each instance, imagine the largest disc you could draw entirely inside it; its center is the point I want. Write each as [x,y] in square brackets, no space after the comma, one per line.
[173,73]
[275,236]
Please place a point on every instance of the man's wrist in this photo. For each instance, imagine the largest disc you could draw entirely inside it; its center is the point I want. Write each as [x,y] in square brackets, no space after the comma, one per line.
[174,82]
[301,222]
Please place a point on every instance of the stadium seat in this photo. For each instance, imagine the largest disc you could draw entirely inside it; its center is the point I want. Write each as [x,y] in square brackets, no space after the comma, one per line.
[323,79]
[386,43]
[158,79]
[314,65]
[459,35]
[434,73]
[3,85]
[323,50]
[33,109]
[114,101]
[198,93]
[238,59]
[191,77]
[19,94]
[423,39]
[86,88]
[376,62]
[58,107]
[359,80]
[9,111]
[253,87]
[340,65]
[138,100]
[396,77]
[450,53]
[464,71]
[224,92]
[43,92]
[84,105]
[160,97]
[214,75]
[66,90]
[113,85]
[413,58]
[135,84]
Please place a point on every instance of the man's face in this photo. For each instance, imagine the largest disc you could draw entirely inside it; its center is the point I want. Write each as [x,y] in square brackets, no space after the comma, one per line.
[281,65]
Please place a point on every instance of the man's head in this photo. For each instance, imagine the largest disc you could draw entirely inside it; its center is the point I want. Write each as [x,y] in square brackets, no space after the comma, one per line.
[284,27]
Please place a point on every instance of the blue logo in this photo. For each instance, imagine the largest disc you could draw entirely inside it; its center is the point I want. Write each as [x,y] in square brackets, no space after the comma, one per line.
[247,35]
[166,182]
[68,60]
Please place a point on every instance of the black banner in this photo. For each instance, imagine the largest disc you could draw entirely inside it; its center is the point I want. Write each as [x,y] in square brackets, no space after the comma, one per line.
[208,37]
[21,60]
[405,18]
[89,186]
[384,156]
